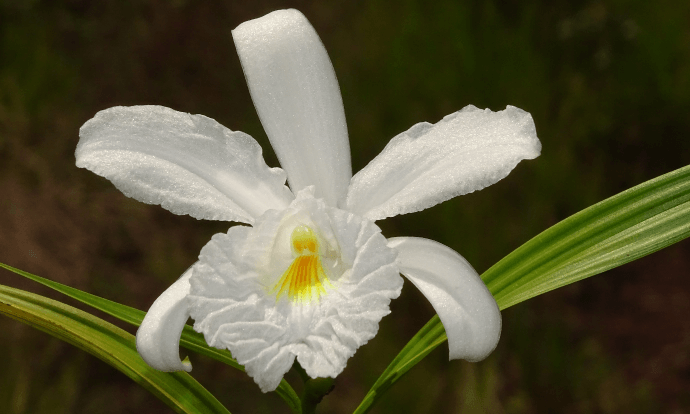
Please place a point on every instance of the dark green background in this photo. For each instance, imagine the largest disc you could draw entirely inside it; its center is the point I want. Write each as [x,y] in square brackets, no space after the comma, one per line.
[608,85]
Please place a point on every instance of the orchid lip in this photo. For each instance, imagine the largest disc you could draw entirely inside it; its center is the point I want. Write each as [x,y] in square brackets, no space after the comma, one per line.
[309,282]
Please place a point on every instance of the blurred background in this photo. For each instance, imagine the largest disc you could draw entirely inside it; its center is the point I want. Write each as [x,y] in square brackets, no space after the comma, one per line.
[608,85]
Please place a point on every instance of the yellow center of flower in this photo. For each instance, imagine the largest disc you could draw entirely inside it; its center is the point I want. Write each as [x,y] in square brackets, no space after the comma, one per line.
[304,280]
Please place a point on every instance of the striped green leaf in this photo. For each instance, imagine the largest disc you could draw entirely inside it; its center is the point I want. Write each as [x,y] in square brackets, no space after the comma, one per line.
[110,344]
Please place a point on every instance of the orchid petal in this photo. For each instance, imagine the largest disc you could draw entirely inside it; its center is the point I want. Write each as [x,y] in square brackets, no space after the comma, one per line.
[234,303]
[296,94]
[467,309]
[428,164]
[158,336]
[189,164]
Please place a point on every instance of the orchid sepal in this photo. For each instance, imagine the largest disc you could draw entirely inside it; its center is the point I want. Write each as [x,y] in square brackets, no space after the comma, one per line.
[467,309]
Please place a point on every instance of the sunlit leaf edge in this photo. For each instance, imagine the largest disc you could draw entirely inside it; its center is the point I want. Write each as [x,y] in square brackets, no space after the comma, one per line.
[109,343]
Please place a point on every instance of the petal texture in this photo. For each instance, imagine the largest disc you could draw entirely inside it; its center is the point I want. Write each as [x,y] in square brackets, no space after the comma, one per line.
[235,306]
[467,309]
[189,164]
[428,164]
[295,91]
[158,336]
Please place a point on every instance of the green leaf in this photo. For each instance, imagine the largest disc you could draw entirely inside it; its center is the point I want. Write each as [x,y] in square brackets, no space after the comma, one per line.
[620,229]
[190,339]
[616,231]
[110,344]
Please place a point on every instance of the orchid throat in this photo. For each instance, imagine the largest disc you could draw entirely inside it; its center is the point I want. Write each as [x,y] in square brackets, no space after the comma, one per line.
[304,280]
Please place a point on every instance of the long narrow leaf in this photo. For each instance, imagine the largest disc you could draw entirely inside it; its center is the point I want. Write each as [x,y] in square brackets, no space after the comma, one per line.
[110,344]
[620,229]
[190,339]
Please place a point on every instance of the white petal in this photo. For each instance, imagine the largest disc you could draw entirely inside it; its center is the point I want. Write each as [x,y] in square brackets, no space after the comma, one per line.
[428,164]
[295,91]
[467,309]
[234,303]
[158,336]
[189,164]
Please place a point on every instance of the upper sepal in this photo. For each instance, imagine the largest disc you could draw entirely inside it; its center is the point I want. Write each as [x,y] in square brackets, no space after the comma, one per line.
[296,94]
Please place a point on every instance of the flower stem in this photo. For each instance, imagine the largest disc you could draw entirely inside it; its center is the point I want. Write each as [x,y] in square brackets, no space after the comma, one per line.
[314,391]
[301,372]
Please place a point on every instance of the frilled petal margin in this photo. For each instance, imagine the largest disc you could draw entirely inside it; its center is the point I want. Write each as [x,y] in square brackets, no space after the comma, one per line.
[158,336]
[296,94]
[428,164]
[234,304]
[467,309]
[189,164]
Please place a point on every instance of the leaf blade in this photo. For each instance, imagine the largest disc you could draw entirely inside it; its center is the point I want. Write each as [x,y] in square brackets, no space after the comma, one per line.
[562,243]
[109,343]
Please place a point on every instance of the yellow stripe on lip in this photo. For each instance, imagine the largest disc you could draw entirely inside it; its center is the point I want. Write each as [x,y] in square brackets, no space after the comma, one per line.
[304,280]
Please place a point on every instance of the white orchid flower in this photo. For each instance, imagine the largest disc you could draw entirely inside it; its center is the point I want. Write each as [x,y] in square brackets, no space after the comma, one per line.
[312,276]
